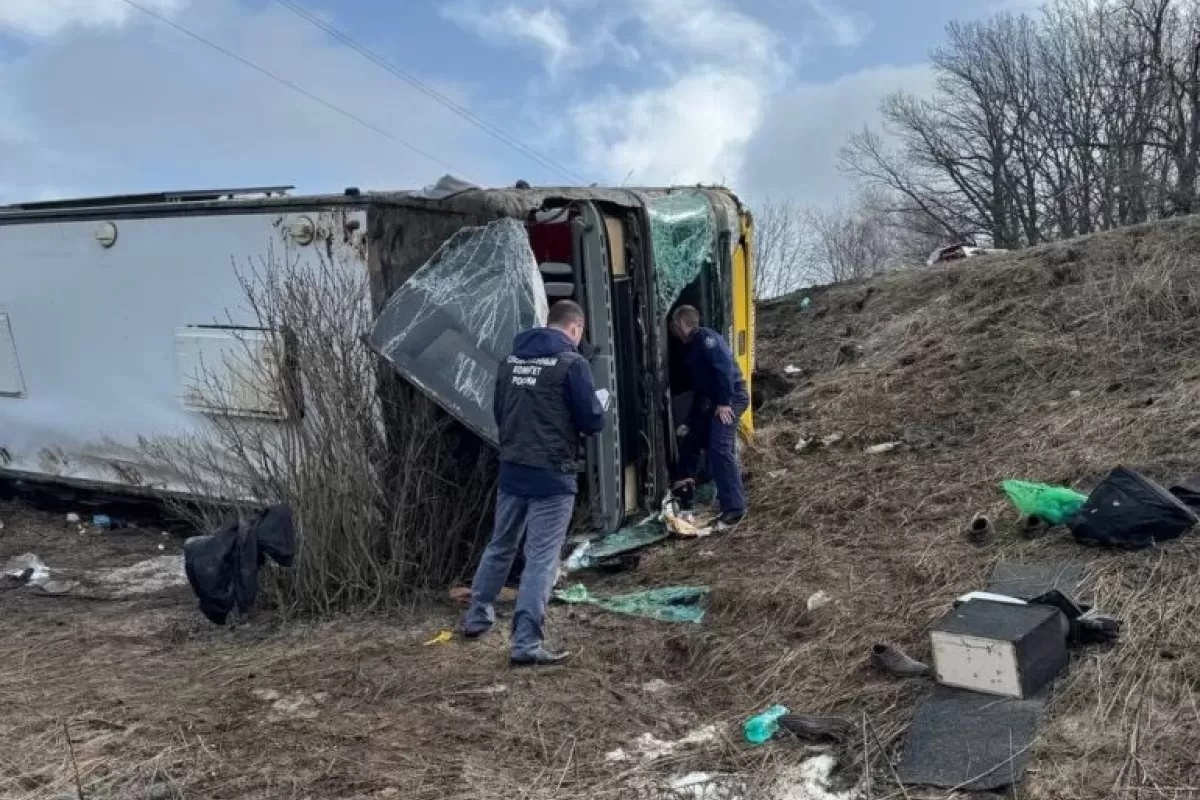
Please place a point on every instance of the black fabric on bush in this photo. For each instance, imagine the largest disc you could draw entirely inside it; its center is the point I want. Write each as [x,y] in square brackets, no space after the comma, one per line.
[222,567]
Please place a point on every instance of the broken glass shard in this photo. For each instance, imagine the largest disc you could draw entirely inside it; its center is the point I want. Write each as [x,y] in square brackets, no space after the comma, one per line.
[449,326]
[683,230]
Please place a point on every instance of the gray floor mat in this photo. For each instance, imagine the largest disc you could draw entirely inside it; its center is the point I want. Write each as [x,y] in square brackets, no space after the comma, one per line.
[967,740]
[1027,581]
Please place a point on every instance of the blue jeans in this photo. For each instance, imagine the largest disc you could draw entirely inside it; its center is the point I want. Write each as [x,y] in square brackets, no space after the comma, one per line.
[544,521]
[708,432]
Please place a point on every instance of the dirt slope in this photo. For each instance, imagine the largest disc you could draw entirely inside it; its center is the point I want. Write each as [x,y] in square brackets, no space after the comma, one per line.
[1054,364]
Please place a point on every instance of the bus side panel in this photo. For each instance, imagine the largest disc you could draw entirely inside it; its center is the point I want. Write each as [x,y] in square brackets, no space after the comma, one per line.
[743,314]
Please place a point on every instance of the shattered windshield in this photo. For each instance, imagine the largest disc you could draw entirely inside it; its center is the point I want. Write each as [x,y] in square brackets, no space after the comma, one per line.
[683,231]
[449,326]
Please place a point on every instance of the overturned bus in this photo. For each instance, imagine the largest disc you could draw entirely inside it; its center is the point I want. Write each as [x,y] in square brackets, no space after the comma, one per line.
[454,273]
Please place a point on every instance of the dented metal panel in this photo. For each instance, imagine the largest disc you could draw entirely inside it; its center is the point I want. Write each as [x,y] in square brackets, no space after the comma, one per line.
[448,327]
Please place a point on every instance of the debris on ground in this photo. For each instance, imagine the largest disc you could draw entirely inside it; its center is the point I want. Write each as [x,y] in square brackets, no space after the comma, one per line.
[1054,504]
[816,728]
[763,726]
[649,747]
[593,552]
[818,600]
[884,447]
[27,569]
[891,659]
[443,637]
[979,531]
[792,370]
[1128,510]
[965,740]
[1003,649]
[1034,527]
[666,604]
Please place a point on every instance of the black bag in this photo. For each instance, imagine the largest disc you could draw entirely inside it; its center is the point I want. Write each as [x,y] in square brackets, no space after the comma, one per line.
[1130,511]
[223,567]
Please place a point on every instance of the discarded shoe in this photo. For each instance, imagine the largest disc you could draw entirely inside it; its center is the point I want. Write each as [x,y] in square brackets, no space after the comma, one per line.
[890,658]
[817,729]
[728,521]
[539,658]
[1034,527]
[980,530]
[1096,630]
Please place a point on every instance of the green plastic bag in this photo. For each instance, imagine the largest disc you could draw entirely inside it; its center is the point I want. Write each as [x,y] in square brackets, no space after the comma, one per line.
[1054,504]
[761,727]
[669,604]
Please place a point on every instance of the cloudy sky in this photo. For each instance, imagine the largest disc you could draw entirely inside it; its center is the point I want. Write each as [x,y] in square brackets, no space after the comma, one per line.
[98,96]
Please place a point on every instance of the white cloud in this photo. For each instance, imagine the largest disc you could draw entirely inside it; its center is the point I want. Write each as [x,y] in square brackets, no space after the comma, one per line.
[44,18]
[702,73]
[847,29]
[692,130]
[544,27]
[159,111]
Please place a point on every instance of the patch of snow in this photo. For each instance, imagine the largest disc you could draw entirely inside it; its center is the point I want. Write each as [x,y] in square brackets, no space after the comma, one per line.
[649,747]
[655,686]
[810,781]
[705,786]
[294,706]
[791,369]
[145,577]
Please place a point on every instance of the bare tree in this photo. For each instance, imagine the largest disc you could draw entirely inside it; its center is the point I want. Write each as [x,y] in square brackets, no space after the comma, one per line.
[853,242]
[1083,117]
[780,249]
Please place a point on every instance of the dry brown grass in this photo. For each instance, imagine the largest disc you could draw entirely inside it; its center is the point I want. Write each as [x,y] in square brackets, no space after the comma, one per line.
[972,367]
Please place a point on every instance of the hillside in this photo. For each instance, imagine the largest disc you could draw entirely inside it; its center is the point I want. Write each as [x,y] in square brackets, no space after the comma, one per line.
[1054,364]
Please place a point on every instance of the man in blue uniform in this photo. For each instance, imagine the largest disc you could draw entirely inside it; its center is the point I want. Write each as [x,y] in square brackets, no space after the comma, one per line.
[544,400]
[719,399]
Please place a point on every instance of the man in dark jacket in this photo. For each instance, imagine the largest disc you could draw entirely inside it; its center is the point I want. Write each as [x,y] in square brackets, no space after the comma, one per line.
[719,399]
[544,400]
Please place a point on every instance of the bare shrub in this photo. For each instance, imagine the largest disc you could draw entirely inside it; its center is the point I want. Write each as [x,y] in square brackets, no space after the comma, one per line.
[388,492]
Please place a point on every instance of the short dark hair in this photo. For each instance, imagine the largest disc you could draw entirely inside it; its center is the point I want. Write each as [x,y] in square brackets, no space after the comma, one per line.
[686,314]
[563,313]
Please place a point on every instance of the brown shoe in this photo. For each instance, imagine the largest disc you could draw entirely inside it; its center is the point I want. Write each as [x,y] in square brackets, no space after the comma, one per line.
[979,532]
[890,658]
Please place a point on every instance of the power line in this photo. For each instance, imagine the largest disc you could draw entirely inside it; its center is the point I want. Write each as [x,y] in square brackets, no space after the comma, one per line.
[491,129]
[289,84]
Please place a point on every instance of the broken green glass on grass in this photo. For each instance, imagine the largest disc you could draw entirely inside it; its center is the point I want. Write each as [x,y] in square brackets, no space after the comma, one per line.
[651,530]
[668,604]
[1054,504]
[683,230]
